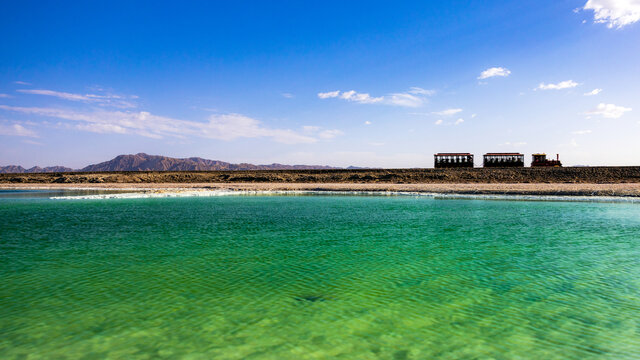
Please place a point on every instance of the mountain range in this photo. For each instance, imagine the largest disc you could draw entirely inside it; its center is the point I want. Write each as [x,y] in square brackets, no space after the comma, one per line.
[145,162]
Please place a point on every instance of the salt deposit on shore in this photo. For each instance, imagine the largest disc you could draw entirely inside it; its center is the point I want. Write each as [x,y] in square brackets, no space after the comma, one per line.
[617,190]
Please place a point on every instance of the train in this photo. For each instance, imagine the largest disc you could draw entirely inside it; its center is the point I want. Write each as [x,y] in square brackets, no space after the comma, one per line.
[493,160]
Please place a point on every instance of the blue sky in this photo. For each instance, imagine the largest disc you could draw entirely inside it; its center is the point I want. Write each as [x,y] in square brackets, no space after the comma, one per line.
[366,83]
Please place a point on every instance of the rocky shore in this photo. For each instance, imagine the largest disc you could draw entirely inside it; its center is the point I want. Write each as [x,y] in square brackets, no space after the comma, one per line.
[573,175]
[578,181]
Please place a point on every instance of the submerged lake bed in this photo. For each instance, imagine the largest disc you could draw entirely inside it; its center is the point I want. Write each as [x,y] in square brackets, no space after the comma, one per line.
[317,276]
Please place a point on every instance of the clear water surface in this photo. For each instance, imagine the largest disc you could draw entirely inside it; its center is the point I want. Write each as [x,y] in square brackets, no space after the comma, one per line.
[317,277]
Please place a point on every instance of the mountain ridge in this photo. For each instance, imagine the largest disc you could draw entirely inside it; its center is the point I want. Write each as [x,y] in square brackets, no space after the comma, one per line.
[146,162]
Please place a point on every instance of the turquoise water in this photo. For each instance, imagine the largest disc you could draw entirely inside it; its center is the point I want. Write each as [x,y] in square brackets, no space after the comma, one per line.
[306,277]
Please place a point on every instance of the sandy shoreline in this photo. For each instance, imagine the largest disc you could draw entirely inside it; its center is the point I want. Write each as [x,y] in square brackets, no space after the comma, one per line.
[620,190]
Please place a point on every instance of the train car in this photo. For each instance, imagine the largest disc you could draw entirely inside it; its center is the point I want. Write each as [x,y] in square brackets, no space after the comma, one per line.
[540,160]
[453,160]
[503,160]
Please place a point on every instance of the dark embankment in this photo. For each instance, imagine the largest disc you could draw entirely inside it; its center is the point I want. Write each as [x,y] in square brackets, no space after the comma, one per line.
[593,175]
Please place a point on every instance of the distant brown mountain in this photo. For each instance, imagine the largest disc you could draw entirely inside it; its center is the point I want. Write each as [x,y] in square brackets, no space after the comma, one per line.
[13,169]
[145,162]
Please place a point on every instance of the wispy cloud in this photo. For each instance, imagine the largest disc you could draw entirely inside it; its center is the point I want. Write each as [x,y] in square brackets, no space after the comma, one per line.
[352,95]
[367,122]
[614,13]
[16,130]
[118,101]
[321,133]
[593,92]
[581,132]
[102,128]
[414,97]
[404,99]
[609,111]
[421,91]
[219,126]
[493,72]
[5,96]
[233,126]
[58,94]
[328,95]
[449,122]
[362,98]
[330,134]
[21,83]
[448,112]
[287,95]
[567,84]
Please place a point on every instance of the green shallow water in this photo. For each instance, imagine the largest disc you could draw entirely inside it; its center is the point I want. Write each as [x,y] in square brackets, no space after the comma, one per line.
[305,277]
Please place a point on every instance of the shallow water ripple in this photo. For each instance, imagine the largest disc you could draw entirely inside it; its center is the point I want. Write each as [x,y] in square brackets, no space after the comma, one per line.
[318,277]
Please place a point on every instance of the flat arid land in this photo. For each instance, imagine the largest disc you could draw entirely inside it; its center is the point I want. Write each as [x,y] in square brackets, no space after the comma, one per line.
[579,181]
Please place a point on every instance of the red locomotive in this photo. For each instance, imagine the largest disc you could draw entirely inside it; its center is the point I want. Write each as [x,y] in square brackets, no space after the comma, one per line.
[541,160]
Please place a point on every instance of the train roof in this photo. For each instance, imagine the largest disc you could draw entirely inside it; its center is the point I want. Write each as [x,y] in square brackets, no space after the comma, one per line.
[502,154]
[452,154]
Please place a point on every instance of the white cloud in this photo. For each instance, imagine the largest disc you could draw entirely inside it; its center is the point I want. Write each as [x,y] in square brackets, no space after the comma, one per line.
[421,91]
[494,71]
[567,84]
[415,97]
[352,95]
[106,129]
[367,122]
[614,13]
[449,122]
[473,115]
[21,83]
[581,132]
[16,130]
[362,98]
[119,101]
[321,133]
[330,94]
[233,126]
[404,99]
[329,134]
[448,112]
[5,96]
[287,95]
[609,111]
[218,126]
[61,95]
[593,92]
